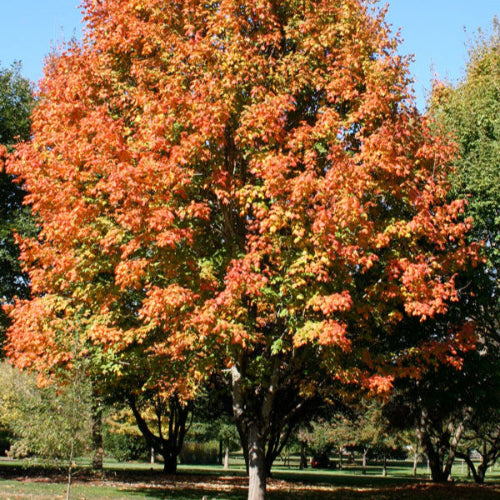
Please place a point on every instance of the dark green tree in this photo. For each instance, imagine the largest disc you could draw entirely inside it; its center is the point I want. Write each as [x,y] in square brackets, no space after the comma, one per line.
[471,112]
[449,408]
[483,428]
[16,104]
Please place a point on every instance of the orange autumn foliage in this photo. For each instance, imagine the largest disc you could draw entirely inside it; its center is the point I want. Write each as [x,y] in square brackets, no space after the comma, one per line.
[217,180]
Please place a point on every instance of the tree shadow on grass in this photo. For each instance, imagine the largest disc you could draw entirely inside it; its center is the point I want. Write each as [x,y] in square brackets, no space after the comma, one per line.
[347,479]
[280,490]
[144,484]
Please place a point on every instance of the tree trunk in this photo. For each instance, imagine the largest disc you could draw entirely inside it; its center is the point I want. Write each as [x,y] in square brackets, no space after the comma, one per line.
[251,427]
[479,473]
[434,454]
[340,457]
[256,465]
[303,455]
[169,461]
[483,466]
[169,447]
[452,448]
[365,453]
[415,459]
[384,467]
[438,474]
[277,435]
[445,445]
[226,455]
[265,415]
[97,442]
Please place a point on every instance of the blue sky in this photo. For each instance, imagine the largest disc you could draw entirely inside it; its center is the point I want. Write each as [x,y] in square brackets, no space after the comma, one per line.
[435,31]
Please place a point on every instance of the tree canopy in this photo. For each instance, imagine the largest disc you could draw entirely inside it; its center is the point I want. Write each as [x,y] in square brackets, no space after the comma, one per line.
[470,111]
[16,104]
[243,187]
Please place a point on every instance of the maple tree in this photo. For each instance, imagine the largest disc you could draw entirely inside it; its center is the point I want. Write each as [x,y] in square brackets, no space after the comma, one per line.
[243,187]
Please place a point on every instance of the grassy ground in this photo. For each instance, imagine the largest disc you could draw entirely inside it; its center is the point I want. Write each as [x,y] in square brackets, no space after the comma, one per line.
[138,481]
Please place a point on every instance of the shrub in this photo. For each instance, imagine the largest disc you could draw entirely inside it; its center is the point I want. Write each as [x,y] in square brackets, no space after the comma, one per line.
[200,453]
[125,446]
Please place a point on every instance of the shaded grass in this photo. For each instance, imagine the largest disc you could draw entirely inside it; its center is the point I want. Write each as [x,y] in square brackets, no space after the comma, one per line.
[230,490]
[133,481]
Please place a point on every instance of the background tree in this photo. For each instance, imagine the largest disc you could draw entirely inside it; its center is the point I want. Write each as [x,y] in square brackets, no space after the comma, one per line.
[483,437]
[372,433]
[213,418]
[242,187]
[471,112]
[159,398]
[122,439]
[361,426]
[166,427]
[321,439]
[44,421]
[330,433]
[16,103]
[443,404]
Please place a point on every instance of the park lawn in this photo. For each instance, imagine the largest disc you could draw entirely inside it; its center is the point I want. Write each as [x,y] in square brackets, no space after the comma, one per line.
[278,490]
[133,483]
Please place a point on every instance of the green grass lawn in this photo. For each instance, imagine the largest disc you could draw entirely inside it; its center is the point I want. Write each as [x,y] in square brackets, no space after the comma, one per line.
[136,481]
[12,489]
